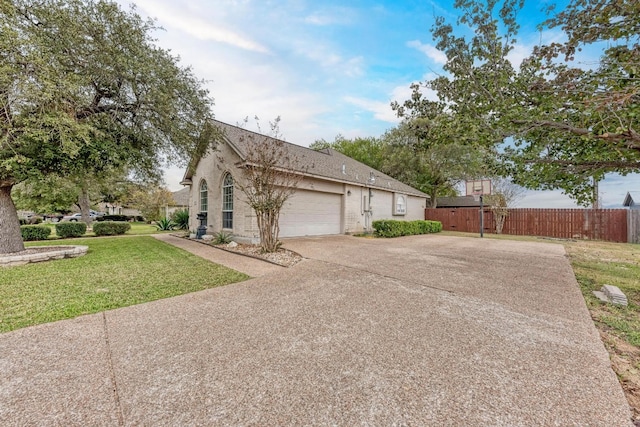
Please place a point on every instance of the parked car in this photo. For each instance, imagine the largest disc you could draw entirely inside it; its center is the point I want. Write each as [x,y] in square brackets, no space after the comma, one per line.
[78,216]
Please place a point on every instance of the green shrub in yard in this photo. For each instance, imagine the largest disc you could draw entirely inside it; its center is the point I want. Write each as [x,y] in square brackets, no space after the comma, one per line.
[165,224]
[181,219]
[394,228]
[113,217]
[70,229]
[111,228]
[35,232]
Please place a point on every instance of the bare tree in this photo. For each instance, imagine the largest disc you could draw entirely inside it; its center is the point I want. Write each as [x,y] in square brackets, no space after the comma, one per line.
[271,175]
[505,194]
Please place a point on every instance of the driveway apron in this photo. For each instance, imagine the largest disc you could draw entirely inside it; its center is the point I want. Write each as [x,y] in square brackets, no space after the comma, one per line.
[425,331]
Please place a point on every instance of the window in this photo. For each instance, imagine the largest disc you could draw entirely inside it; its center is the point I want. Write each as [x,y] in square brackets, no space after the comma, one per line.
[204,196]
[227,202]
[400,205]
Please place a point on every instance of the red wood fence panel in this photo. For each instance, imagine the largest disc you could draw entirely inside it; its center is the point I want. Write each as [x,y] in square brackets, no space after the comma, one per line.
[594,224]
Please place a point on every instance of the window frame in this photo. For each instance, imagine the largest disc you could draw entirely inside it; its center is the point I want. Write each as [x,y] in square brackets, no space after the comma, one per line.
[227,201]
[204,196]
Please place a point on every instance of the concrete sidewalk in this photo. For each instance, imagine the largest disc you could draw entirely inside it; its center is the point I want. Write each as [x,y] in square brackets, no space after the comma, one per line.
[428,331]
[247,265]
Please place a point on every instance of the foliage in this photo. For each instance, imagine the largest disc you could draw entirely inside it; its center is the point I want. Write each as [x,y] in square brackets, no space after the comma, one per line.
[83,88]
[181,219]
[150,201]
[35,232]
[395,228]
[271,175]
[222,238]
[115,273]
[564,125]
[165,224]
[365,150]
[504,194]
[111,228]
[71,229]
[415,157]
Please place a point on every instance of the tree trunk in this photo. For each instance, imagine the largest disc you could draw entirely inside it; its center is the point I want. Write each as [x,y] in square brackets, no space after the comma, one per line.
[10,235]
[85,203]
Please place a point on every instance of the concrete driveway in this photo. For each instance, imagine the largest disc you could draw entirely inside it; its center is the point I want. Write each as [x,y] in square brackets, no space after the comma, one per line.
[424,331]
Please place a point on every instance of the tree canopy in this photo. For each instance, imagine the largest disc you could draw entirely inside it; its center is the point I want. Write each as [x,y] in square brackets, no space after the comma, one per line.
[82,84]
[564,124]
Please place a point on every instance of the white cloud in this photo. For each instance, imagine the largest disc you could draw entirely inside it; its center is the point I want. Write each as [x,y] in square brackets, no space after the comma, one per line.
[180,18]
[381,110]
[429,50]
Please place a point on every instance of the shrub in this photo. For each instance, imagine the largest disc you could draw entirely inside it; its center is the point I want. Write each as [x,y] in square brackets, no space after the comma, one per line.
[111,228]
[71,229]
[394,228]
[222,238]
[35,232]
[165,224]
[181,219]
[35,219]
[113,218]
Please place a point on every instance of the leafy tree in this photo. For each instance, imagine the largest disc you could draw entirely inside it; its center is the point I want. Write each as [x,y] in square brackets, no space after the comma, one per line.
[150,201]
[82,82]
[414,157]
[271,177]
[565,126]
[365,150]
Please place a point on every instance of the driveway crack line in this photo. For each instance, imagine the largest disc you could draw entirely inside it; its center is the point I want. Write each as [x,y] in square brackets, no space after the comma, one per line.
[363,270]
[112,374]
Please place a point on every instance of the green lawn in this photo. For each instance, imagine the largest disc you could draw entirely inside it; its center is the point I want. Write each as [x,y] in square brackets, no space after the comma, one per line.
[116,272]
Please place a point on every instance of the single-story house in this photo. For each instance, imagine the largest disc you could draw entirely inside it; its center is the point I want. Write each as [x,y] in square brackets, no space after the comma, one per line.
[632,200]
[180,202]
[336,195]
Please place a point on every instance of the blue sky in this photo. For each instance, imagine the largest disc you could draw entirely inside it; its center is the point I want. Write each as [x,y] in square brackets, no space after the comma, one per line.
[326,68]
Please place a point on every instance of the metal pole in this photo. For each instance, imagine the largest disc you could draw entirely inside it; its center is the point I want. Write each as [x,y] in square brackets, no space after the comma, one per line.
[481,217]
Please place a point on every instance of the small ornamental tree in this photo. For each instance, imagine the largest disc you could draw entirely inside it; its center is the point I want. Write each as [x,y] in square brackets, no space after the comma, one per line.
[271,176]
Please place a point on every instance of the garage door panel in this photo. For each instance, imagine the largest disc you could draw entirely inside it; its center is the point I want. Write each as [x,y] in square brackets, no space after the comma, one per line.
[310,213]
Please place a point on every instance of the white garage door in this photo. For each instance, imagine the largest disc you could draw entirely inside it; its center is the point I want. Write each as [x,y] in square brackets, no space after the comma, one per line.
[310,213]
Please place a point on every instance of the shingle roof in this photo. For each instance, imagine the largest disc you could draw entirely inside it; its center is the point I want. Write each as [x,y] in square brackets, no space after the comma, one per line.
[632,198]
[181,197]
[327,163]
[458,202]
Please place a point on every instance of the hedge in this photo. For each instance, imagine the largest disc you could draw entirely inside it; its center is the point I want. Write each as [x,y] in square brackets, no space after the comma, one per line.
[111,228]
[117,217]
[394,228]
[35,232]
[71,229]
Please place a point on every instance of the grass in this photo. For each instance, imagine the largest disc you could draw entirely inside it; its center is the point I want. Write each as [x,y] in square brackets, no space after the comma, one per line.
[115,273]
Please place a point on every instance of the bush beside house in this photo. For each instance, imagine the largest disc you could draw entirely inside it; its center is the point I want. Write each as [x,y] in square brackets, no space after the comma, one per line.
[394,228]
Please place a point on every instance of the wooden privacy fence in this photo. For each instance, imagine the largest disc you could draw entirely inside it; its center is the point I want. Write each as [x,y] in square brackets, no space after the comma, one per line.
[596,224]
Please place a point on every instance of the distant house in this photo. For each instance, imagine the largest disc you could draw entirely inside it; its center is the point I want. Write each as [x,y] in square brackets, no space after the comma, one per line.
[457,202]
[180,202]
[336,195]
[632,200]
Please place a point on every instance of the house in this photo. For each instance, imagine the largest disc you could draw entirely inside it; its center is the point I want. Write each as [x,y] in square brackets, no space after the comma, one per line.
[336,195]
[632,200]
[180,202]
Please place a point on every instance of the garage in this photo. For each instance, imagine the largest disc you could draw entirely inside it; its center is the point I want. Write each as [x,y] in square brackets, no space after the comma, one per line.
[311,213]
